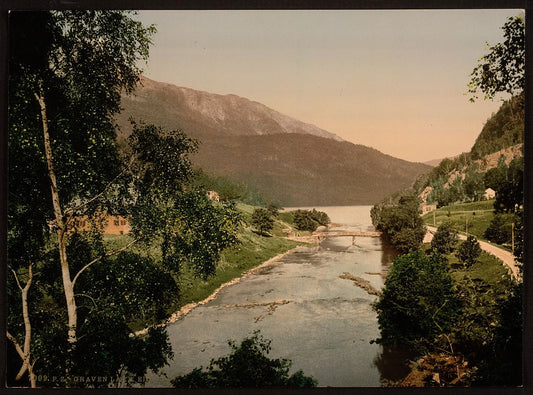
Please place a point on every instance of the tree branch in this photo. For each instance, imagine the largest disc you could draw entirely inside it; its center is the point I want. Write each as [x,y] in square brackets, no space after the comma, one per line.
[16,344]
[101,257]
[90,297]
[16,277]
[70,211]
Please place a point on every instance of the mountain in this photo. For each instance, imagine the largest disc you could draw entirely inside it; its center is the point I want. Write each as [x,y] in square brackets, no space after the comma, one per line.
[288,161]
[202,114]
[432,162]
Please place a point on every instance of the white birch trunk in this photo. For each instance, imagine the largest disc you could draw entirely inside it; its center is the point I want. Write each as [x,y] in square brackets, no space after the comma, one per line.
[61,227]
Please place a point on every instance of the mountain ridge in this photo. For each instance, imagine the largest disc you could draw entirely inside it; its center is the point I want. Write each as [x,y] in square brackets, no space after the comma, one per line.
[286,160]
[227,114]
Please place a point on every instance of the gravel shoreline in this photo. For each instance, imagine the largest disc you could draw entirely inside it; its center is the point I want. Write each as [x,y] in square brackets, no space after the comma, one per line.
[183,311]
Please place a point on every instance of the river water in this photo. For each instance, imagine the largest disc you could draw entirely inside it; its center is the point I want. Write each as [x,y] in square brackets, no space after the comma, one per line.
[321,322]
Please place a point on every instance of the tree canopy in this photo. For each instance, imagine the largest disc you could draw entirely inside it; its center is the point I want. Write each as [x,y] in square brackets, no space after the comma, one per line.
[502,68]
[262,220]
[73,295]
[411,313]
[401,224]
[248,366]
[444,239]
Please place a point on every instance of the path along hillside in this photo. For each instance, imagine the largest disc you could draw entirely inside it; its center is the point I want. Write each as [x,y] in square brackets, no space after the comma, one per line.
[505,256]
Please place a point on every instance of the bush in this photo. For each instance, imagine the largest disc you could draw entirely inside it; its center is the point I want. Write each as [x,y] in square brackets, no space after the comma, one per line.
[468,251]
[246,367]
[262,220]
[444,239]
[418,302]
[401,224]
[309,220]
[499,230]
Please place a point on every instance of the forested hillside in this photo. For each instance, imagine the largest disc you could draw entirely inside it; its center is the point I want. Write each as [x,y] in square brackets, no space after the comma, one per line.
[496,155]
[466,177]
[284,159]
[503,129]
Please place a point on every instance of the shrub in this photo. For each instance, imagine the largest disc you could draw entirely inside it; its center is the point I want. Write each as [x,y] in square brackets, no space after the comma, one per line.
[309,220]
[246,367]
[418,302]
[499,230]
[444,239]
[468,251]
[262,220]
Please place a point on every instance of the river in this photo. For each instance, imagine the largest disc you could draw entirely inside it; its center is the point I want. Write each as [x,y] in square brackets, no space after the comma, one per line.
[321,322]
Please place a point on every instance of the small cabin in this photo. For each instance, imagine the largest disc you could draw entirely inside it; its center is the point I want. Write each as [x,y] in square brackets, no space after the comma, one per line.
[117,225]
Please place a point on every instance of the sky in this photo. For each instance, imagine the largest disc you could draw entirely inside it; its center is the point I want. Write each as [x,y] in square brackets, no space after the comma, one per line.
[394,80]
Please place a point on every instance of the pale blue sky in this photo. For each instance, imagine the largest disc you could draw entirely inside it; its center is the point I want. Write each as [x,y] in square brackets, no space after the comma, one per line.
[392,80]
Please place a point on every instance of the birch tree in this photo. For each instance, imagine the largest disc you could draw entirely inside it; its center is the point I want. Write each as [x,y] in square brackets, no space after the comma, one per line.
[72,297]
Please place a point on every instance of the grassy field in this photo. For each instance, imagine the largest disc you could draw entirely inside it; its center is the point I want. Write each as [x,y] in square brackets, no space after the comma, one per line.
[476,216]
[488,270]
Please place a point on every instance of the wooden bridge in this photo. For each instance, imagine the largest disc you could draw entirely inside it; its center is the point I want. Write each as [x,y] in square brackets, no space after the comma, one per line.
[345,233]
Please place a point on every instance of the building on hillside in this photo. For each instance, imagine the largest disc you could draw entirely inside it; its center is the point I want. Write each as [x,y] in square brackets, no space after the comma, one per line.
[113,225]
[489,194]
[213,196]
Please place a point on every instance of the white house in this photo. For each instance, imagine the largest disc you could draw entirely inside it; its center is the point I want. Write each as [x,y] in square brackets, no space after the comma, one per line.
[489,194]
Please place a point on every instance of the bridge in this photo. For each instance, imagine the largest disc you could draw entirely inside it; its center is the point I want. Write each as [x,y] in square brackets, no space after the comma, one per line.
[345,233]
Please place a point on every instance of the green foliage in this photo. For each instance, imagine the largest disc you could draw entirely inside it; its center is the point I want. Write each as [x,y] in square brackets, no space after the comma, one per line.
[469,251]
[273,209]
[493,177]
[510,190]
[499,230]
[262,220]
[473,185]
[401,224]
[444,240]
[113,292]
[192,229]
[411,313]
[71,81]
[503,363]
[248,366]
[488,332]
[309,220]
[519,238]
[502,69]
[503,129]
[203,231]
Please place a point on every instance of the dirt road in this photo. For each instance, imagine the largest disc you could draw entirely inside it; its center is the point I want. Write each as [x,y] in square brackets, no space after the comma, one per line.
[505,256]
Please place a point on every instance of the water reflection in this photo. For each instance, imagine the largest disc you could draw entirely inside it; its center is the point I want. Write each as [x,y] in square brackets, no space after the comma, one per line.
[388,255]
[393,364]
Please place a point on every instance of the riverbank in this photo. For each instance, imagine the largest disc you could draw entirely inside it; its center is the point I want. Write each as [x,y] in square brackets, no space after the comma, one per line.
[186,309]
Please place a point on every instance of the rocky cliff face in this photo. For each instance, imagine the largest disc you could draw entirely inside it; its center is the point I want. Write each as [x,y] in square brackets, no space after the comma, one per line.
[201,112]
